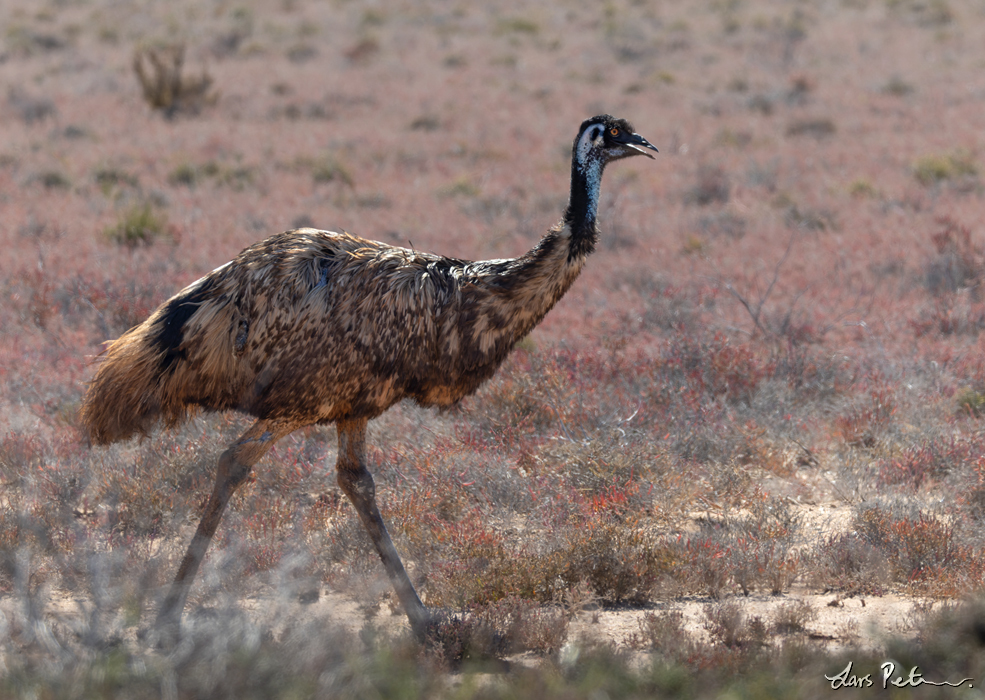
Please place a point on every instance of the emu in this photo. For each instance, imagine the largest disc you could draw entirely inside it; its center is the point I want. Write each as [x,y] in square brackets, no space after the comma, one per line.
[313,326]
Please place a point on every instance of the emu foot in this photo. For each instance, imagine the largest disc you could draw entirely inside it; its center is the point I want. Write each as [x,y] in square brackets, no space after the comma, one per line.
[460,637]
[166,632]
[163,635]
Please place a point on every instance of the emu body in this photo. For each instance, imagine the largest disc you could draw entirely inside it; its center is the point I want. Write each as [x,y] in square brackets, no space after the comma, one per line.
[314,326]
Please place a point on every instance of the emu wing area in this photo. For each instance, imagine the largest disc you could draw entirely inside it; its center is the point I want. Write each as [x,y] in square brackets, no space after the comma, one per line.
[314,326]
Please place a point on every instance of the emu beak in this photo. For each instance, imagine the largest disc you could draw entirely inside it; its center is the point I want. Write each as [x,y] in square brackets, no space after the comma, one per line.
[637,143]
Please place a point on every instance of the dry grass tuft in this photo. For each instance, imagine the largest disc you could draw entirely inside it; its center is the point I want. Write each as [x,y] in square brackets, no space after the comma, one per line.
[159,70]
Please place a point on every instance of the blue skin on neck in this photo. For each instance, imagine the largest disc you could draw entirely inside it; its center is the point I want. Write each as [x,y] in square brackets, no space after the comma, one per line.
[593,182]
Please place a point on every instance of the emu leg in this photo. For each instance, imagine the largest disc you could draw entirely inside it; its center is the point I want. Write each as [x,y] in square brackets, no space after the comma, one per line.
[358,485]
[234,467]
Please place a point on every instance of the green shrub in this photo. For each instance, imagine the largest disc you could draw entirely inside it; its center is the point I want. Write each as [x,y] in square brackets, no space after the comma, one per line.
[110,178]
[934,169]
[861,188]
[53,179]
[330,169]
[139,225]
[185,174]
[517,25]
[971,402]
[189,174]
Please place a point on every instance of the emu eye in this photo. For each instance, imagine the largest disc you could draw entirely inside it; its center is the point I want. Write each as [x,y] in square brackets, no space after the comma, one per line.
[614,131]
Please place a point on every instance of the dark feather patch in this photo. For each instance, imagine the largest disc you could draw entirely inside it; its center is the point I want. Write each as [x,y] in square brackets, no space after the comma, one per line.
[326,265]
[242,333]
[175,314]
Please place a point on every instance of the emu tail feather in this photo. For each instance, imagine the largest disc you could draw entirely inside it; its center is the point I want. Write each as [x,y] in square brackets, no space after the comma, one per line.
[142,378]
[124,397]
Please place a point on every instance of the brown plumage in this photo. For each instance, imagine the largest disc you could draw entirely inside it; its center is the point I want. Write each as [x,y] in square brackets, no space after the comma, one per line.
[369,324]
[313,326]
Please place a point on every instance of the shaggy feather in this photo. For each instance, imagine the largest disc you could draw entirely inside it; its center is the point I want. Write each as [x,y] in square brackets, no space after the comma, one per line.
[314,326]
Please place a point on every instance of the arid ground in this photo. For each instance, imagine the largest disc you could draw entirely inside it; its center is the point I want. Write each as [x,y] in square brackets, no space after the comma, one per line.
[745,449]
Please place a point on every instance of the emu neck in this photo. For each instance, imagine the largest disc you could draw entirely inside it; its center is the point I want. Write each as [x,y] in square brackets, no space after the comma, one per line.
[586,182]
[537,280]
[512,296]
[502,300]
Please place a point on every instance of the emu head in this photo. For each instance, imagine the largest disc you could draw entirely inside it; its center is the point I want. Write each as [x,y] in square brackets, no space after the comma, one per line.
[603,139]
